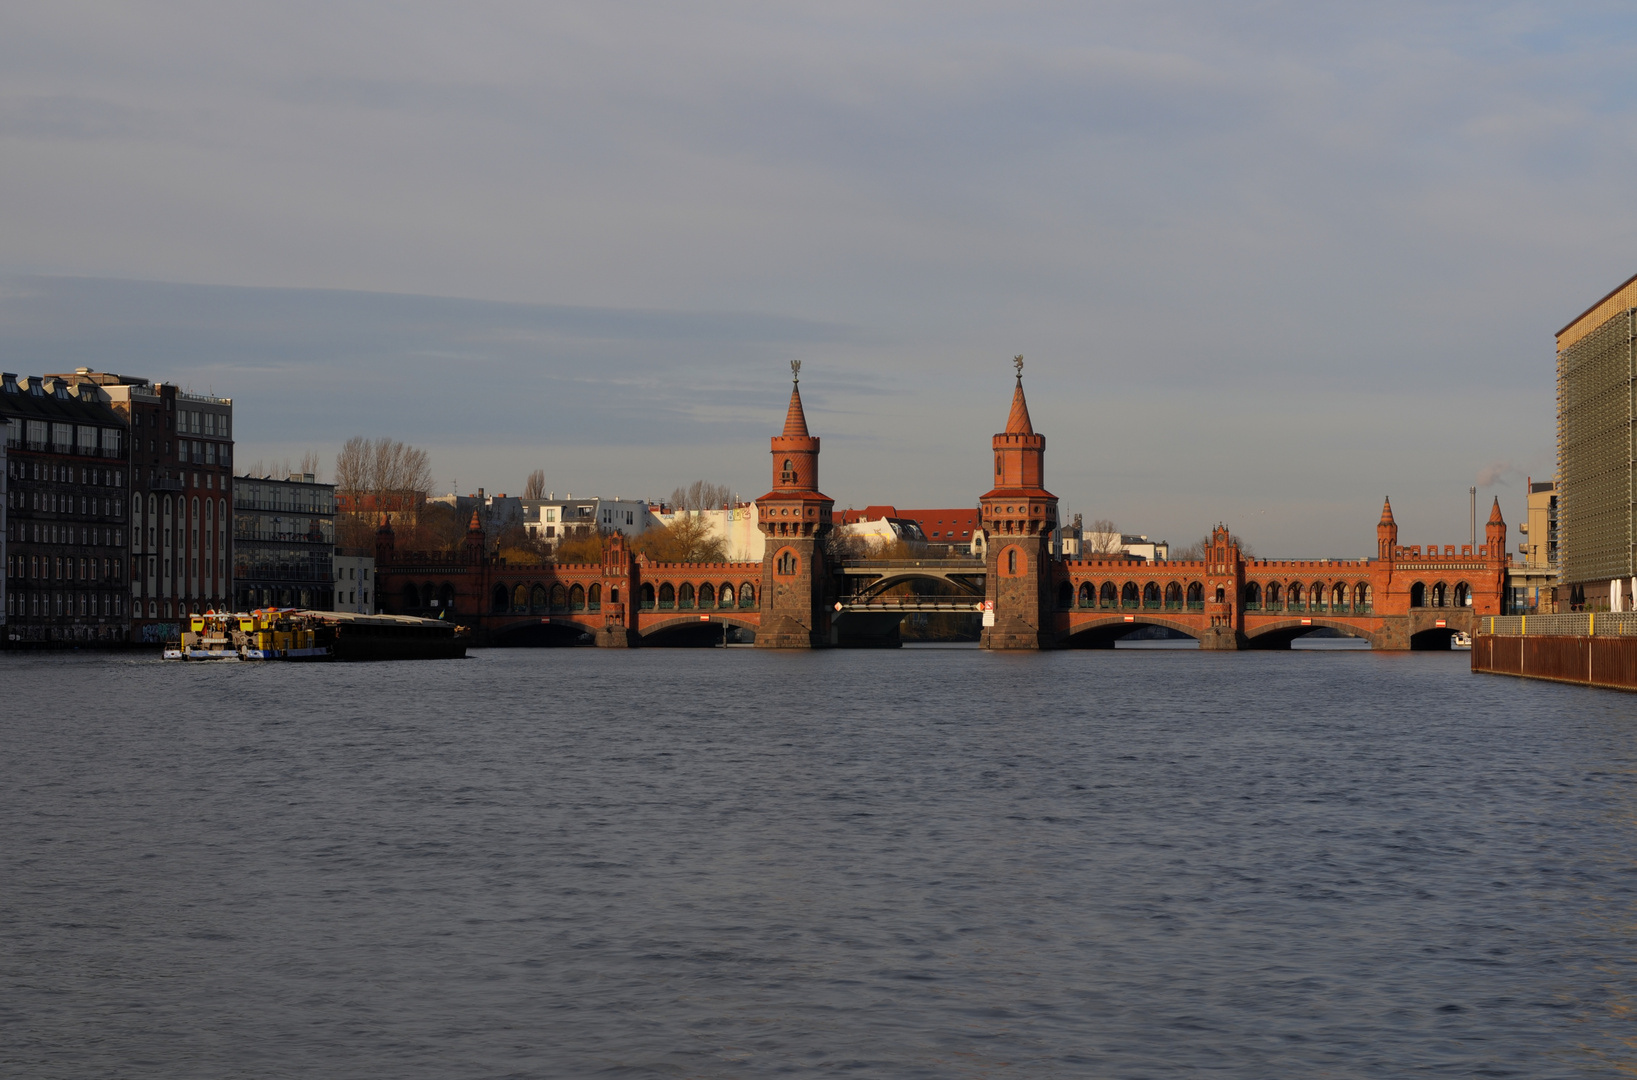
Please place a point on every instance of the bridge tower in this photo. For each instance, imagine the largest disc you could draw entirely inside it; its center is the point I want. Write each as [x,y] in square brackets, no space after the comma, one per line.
[795,519]
[1018,516]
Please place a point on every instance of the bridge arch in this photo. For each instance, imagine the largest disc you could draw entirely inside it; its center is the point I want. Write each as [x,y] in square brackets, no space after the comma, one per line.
[1279,635]
[691,631]
[1101,632]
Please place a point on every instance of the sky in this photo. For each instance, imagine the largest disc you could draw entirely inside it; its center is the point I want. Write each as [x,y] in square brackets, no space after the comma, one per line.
[1267,262]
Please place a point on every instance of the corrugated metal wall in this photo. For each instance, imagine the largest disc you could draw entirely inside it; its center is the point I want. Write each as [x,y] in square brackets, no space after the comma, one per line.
[1594,453]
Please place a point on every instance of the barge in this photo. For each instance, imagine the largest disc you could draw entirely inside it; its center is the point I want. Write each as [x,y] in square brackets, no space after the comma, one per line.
[294,634]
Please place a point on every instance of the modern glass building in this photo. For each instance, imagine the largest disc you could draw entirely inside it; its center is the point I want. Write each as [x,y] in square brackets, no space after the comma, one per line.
[1596,453]
[283,542]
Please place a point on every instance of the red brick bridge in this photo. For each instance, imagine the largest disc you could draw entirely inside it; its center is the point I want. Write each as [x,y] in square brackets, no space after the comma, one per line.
[799,597]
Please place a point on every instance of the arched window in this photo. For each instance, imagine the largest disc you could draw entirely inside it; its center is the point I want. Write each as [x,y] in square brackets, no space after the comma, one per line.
[647,601]
[1011,560]
[427,595]
[576,598]
[707,595]
[1000,469]
[1317,595]
[1109,595]
[1151,595]
[497,602]
[1439,595]
[412,598]
[725,595]
[559,597]
[1338,597]
[1221,593]
[1173,596]
[1065,596]
[594,597]
[684,596]
[787,563]
[446,599]
[537,598]
[1270,597]
[1463,594]
[1088,597]
[667,596]
[1129,595]
[1361,598]
[1418,595]
[1253,594]
[520,599]
[747,596]
[1196,594]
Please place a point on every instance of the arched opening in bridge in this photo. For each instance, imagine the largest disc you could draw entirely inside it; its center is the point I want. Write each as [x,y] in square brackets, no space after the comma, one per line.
[576,598]
[1129,597]
[426,595]
[1151,596]
[497,600]
[412,598]
[684,596]
[1436,639]
[747,595]
[1173,596]
[1463,594]
[1253,596]
[1107,635]
[667,596]
[1316,591]
[594,597]
[726,594]
[1338,597]
[1281,637]
[647,601]
[559,599]
[1196,594]
[696,634]
[537,598]
[1418,595]
[1088,595]
[1361,599]
[1065,596]
[1109,596]
[520,599]
[1293,598]
[1271,600]
[1439,593]
[446,599]
[707,595]
[539,635]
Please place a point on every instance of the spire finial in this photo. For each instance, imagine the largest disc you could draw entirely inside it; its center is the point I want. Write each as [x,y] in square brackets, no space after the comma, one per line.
[1017,362]
[795,371]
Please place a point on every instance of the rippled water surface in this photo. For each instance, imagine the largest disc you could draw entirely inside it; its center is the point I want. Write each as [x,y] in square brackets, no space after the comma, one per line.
[921,863]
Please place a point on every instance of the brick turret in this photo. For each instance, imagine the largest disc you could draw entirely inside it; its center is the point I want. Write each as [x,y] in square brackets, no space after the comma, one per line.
[794,519]
[1018,516]
[1386,533]
[1495,536]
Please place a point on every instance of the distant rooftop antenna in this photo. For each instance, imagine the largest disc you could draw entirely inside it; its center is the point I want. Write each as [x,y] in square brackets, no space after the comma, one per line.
[1017,362]
[795,371]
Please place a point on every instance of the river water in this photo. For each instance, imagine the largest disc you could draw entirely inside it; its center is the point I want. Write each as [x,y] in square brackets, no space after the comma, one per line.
[726,863]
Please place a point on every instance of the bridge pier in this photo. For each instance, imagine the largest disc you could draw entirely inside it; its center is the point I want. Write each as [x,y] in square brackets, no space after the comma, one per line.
[614,636]
[1222,638]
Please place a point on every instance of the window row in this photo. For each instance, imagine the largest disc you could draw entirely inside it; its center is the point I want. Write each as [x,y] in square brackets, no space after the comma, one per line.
[686,597]
[52,604]
[36,532]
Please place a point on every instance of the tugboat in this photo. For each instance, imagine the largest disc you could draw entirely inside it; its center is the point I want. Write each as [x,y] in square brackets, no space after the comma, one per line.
[209,637]
[282,634]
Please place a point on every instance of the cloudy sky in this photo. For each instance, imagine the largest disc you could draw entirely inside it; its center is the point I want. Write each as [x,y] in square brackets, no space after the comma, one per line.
[1268,262]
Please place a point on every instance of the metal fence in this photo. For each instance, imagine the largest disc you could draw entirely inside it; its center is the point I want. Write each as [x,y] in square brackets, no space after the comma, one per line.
[1575,624]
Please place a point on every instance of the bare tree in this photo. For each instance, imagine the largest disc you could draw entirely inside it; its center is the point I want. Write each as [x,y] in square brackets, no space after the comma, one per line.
[309,463]
[1101,538]
[376,475]
[701,495]
[535,486]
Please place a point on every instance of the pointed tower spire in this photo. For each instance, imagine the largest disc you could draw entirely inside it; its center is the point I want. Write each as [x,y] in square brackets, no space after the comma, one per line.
[1387,533]
[1387,511]
[795,419]
[1017,421]
[1495,513]
[1495,535]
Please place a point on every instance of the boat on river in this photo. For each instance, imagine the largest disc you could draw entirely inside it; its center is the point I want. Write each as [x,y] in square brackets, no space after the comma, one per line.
[295,634]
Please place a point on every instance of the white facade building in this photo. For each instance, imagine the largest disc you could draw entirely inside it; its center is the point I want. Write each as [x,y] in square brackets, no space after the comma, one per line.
[735,527]
[354,583]
[552,519]
[1135,544]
